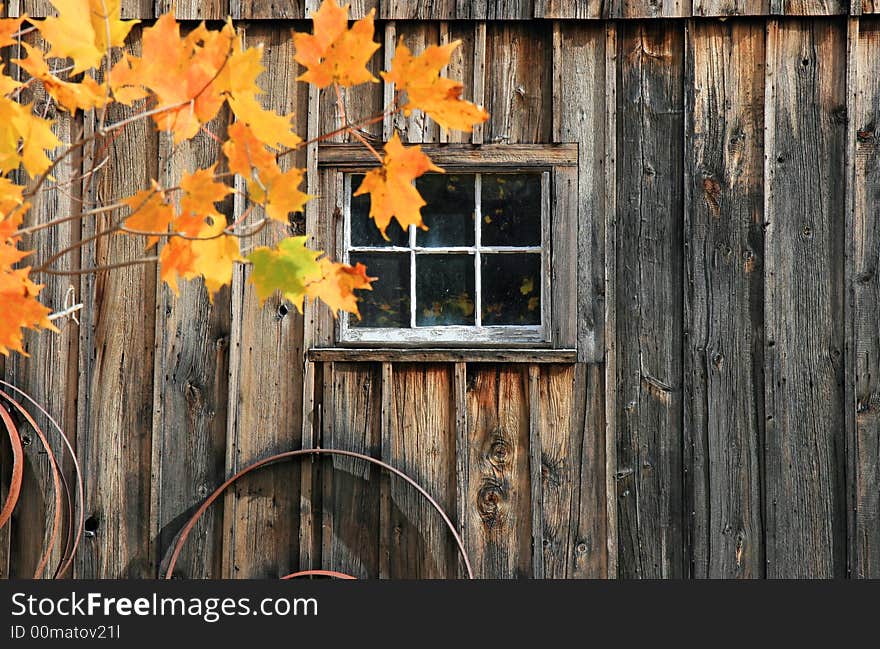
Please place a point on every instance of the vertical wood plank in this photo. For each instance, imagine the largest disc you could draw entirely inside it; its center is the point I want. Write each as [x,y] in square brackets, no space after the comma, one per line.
[518,83]
[578,116]
[117,337]
[649,274]
[266,387]
[497,514]
[864,137]
[568,444]
[351,487]
[421,443]
[609,196]
[190,385]
[724,297]
[805,144]
[477,136]
[648,8]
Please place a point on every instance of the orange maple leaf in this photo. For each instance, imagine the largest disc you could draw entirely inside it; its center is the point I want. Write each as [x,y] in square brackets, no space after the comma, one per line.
[8,28]
[337,285]
[439,97]
[391,189]
[334,53]
[278,191]
[18,295]
[184,74]
[150,212]
[212,256]
[72,96]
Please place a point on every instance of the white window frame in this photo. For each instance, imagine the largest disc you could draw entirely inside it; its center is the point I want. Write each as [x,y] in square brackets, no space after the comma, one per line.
[457,335]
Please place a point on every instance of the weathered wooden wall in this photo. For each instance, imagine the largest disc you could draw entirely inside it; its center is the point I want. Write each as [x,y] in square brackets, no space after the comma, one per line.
[725,425]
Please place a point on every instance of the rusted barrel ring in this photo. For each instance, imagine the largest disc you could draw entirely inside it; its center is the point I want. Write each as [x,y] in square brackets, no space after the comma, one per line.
[187,529]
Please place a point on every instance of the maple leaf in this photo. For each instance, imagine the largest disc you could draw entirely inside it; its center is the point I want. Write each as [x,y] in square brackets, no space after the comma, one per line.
[240,80]
[84,30]
[9,222]
[335,53]
[212,256]
[9,27]
[337,285]
[7,83]
[391,189]
[24,138]
[184,74]
[18,295]
[150,212]
[267,184]
[287,268]
[201,193]
[439,97]
[84,95]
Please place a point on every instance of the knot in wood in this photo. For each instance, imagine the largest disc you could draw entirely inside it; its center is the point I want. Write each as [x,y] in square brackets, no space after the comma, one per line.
[489,499]
[499,450]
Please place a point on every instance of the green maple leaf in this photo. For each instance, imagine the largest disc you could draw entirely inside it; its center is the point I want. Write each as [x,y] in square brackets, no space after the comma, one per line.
[286,268]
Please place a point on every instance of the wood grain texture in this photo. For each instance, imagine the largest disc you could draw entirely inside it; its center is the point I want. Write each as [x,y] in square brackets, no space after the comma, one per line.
[578,116]
[351,488]
[190,390]
[43,8]
[805,144]
[649,275]
[357,8]
[865,291]
[510,156]
[569,8]
[263,9]
[518,82]
[199,9]
[424,355]
[731,7]
[456,9]
[421,443]
[649,8]
[724,298]
[567,451]
[461,68]
[116,361]
[265,391]
[495,471]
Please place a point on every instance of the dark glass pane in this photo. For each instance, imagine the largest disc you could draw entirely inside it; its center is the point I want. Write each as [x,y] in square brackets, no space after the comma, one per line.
[511,291]
[387,305]
[449,213]
[511,209]
[444,290]
[363,229]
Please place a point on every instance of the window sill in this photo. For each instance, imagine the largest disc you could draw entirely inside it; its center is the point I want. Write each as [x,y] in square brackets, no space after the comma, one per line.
[356,354]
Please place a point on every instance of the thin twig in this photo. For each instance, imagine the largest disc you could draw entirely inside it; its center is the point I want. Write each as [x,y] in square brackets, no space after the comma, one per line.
[98,269]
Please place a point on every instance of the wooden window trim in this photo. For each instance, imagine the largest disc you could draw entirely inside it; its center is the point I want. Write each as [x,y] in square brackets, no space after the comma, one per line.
[559,266]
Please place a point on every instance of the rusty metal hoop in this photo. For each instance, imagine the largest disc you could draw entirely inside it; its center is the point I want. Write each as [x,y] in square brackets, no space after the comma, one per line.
[287,455]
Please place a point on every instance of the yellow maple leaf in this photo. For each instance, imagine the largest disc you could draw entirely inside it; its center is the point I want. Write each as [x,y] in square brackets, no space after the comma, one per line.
[334,53]
[201,192]
[212,256]
[7,83]
[391,189]
[337,285]
[439,97]
[84,30]
[72,96]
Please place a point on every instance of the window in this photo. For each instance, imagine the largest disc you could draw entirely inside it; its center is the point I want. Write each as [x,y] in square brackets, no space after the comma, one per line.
[496,268]
[479,273]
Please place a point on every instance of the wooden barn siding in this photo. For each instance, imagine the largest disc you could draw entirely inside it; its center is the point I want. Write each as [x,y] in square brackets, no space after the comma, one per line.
[731,187]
